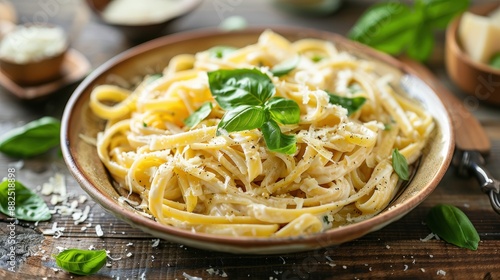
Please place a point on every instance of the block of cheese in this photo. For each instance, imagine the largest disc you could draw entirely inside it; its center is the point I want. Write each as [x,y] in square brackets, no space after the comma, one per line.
[479,36]
[495,16]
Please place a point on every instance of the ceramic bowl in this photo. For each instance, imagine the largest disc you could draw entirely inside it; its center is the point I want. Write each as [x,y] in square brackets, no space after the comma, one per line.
[141,32]
[476,79]
[84,164]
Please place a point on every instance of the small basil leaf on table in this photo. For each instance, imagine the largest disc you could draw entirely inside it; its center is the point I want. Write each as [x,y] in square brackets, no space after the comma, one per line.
[244,117]
[400,165]
[81,262]
[286,66]
[284,111]
[438,13]
[31,139]
[351,104]
[220,51]
[200,114]
[232,88]
[453,226]
[19,202]
[277,141]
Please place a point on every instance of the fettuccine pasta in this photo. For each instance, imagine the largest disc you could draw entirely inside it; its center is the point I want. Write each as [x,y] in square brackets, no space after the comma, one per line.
[230,183]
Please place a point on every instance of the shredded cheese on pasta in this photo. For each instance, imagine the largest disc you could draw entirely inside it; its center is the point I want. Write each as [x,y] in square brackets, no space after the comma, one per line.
[232,184]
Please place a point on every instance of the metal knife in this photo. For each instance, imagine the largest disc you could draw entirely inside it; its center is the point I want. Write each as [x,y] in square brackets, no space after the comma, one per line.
[469,151]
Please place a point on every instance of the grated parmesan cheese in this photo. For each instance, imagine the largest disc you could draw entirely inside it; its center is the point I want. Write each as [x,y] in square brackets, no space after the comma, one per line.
[441,272]
[98,230]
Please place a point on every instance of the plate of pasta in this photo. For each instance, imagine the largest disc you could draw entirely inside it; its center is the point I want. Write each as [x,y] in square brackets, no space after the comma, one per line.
[256,141]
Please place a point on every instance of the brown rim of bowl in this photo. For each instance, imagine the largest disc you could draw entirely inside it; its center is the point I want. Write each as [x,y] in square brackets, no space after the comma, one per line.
[455,45]
[339,235]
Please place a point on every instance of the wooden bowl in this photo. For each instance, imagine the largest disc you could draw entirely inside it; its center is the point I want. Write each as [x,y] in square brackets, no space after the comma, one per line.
[477,79]
[34,73]
[83,162]
[142,32]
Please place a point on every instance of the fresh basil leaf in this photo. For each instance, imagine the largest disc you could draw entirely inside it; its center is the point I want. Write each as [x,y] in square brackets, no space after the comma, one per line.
[220,51]
[286,66]
[277,141]
[453,226]
[200,114]
[81,262]
[232,88]
[317,58]
[423,44]
[20,202]
[31,139]
[244,117]
[284,111]
[438,13]
[400,165]
[389,27]
[495,61]
[351,104]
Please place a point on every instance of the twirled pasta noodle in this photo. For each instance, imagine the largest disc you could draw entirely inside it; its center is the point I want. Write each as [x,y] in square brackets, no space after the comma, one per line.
[232,184]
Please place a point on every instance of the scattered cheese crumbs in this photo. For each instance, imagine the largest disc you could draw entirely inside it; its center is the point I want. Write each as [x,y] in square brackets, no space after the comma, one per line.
[344,266]
[466,205]
[111,258]
[422,269]
[130,244]
[143,276]
[283,259]
[406,268]
[55,269]
[387,246]
[431,256]
[217,272]
[441,272]
[98,230]
[60,249]
[189,277]
[54,231]
[108,264]
[82,198]
[429,237]
[129,254]
[83,216]
[156,242]
[370,268]
[91,247]
[328,258]
[83,229]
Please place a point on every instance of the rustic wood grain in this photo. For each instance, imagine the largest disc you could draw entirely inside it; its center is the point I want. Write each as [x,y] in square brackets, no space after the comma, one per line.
[395,252]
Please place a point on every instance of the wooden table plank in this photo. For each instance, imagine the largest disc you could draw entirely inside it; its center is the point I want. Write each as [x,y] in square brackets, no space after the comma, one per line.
[395,252]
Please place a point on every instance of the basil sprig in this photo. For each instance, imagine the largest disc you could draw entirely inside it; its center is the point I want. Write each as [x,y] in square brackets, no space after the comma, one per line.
[20,202]
[200,114]
[247,97]
[453,226]
[394,27]
[495,61]
[81,262]
[400,165]
[31,139]
[351,104]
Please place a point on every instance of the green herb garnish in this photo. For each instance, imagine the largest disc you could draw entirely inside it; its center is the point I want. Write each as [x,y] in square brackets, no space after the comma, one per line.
[220,51]
[395,27]
[495,61]
[31,139]
[21,203]
[200,114]
[351,104]
[285,67]
[400,165]
[246,95]
[453,226]
[81,262]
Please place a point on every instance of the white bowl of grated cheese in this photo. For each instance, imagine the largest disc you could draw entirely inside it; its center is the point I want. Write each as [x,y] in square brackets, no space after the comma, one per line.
[33,54]
[140,20]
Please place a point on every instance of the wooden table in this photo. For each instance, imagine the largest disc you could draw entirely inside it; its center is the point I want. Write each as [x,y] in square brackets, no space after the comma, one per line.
[396,251]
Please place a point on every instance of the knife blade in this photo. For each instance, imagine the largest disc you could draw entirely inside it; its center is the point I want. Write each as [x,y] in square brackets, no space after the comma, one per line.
[469,151]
